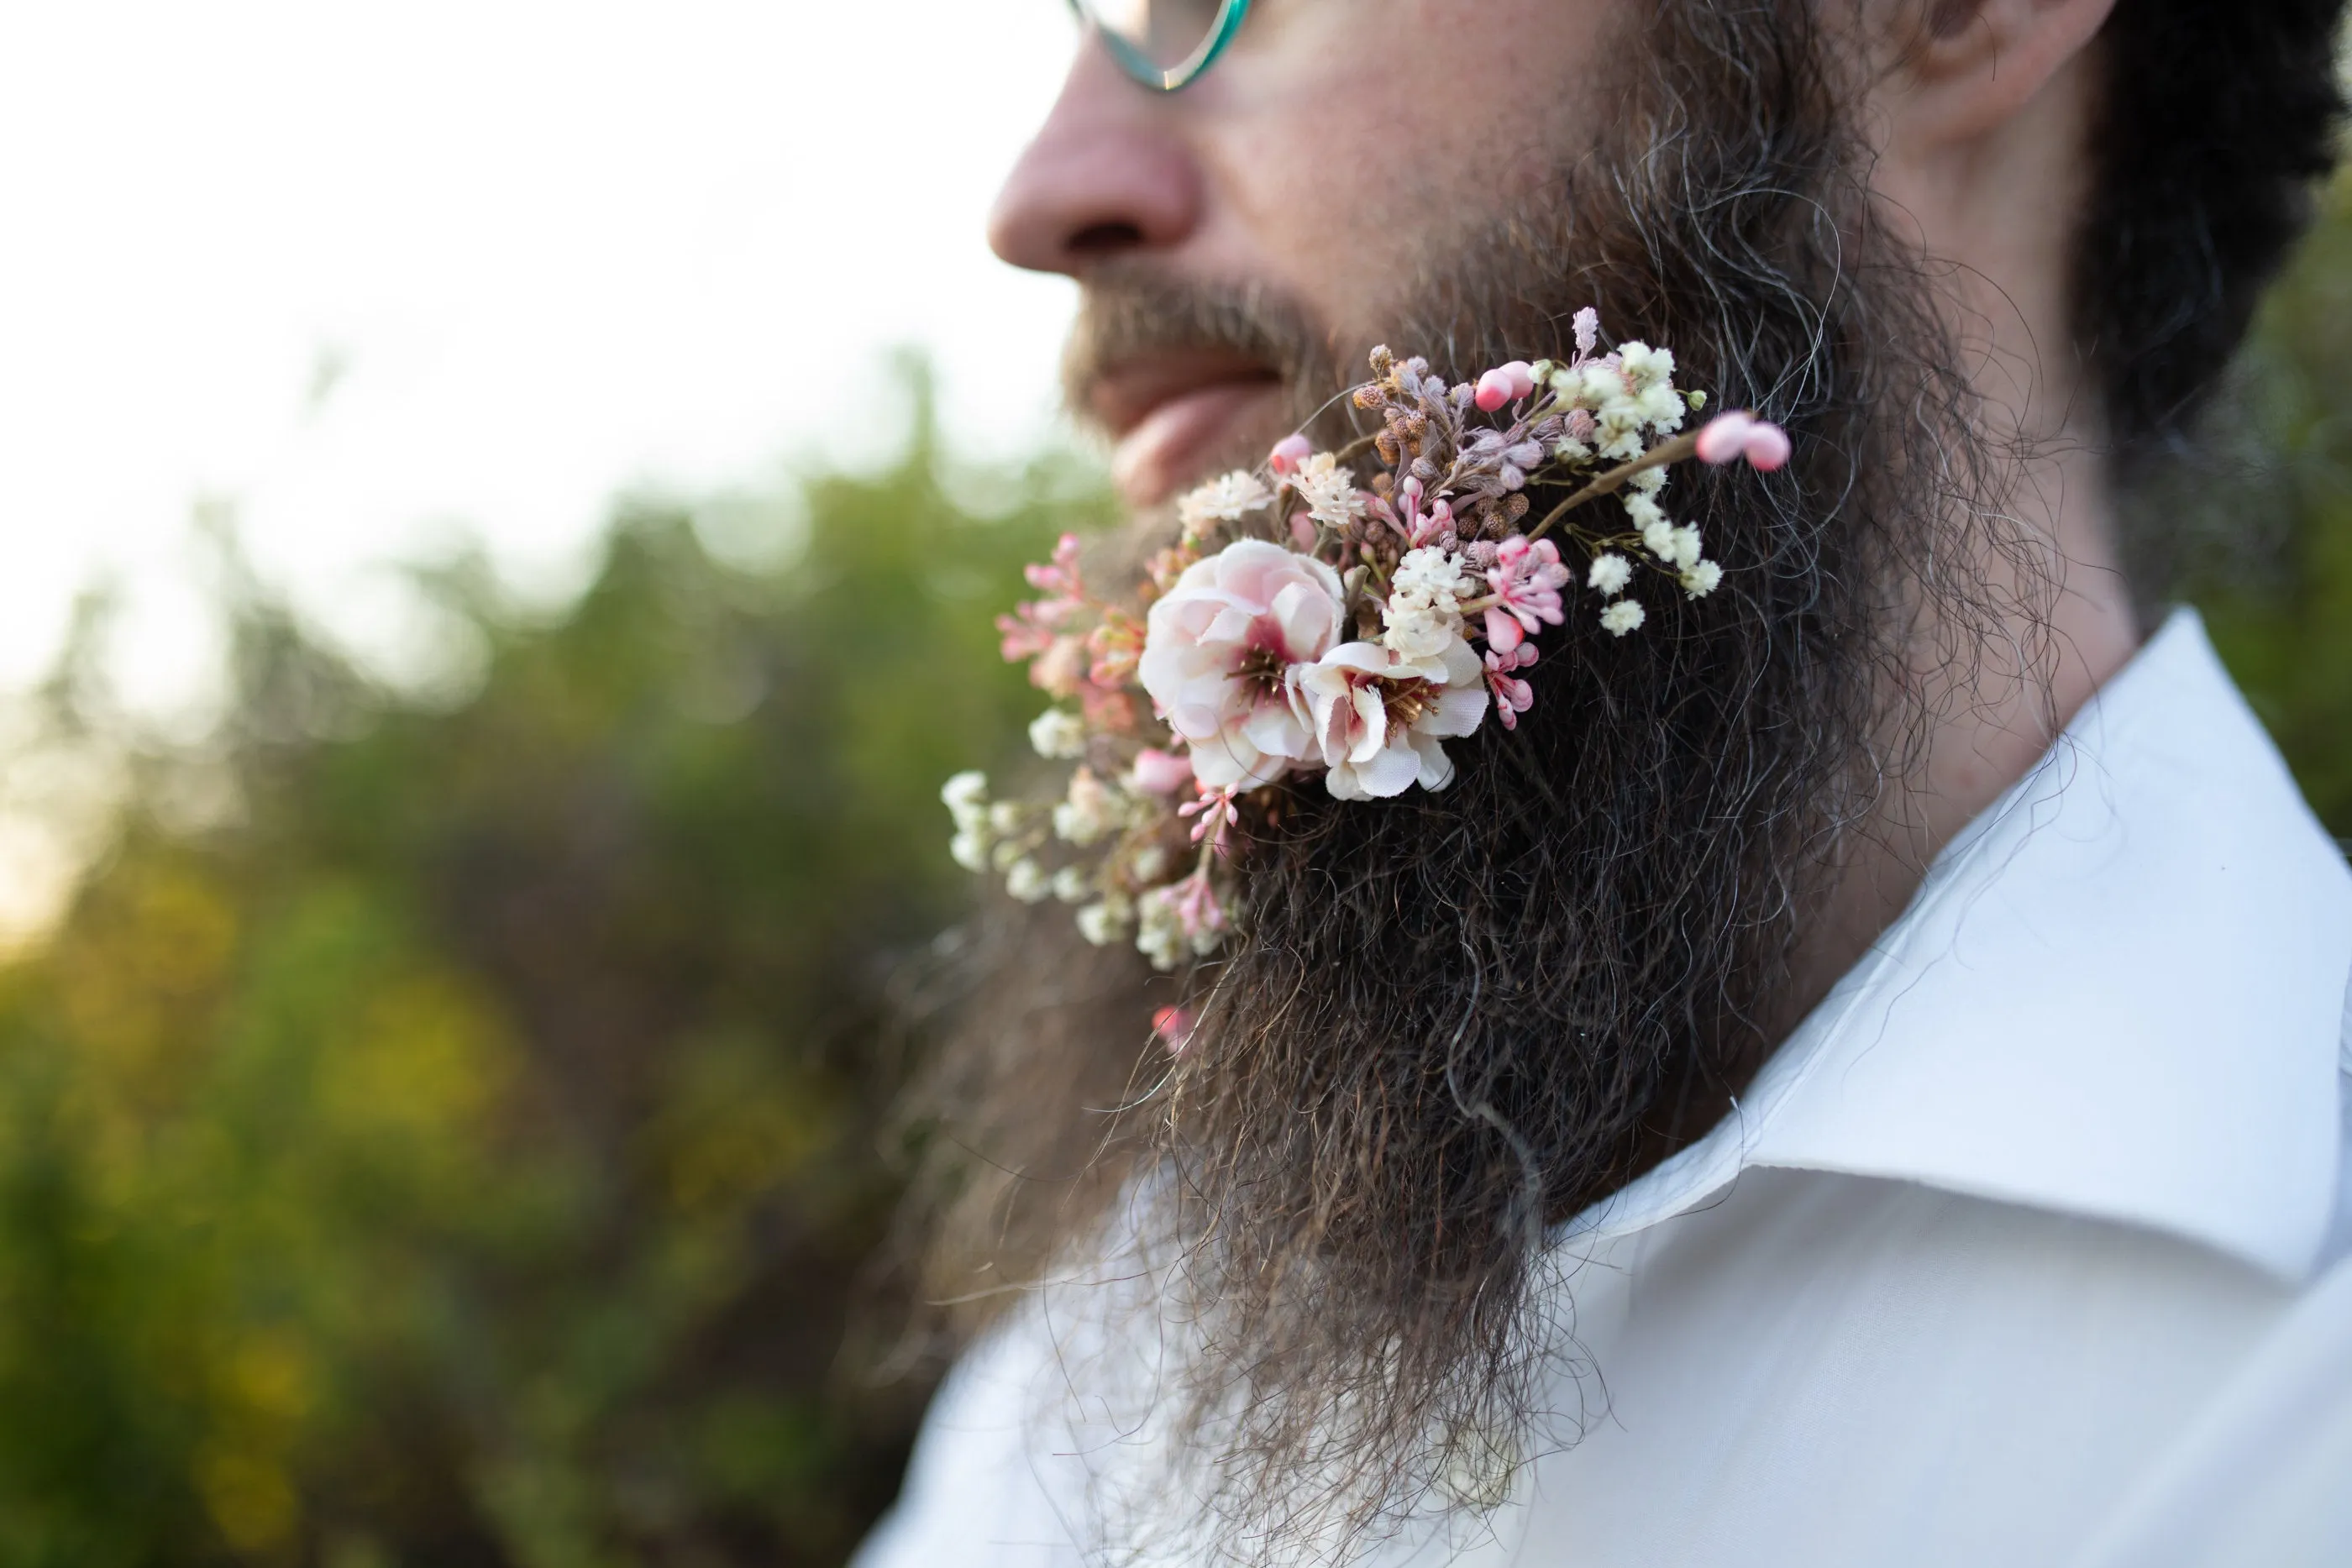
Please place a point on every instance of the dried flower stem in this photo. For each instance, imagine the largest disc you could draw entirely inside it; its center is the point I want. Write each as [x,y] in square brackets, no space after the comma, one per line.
[1658,456]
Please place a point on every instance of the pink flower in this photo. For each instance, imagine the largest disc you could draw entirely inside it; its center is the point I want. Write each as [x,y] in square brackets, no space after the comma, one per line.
[1513,697]
[1378,719]
[1158,772]
[1060,577]
[1061,669]
[1731,436]
[1027,632]
[1526,579]
[1216,810]
[1173,1027]
[1768,447]
[1505,384]
[1217,649]
[1289,453]
[1197,909]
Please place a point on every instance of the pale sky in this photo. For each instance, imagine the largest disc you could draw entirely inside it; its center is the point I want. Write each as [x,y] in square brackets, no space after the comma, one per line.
[385,273]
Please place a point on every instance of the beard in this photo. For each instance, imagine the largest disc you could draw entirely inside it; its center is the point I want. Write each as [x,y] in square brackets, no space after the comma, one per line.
[1451,1021]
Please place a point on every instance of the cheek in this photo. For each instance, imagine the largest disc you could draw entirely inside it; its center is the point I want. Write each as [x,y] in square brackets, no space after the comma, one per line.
[1353,134]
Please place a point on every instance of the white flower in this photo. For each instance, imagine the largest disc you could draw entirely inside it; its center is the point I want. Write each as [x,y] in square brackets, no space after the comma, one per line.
[1328,491]
[1645,368]
[1007,854]
[1422,612]
[1662,408]
[1071,884]
[1378,718]
[1658,538]
[1224,500]
[1644,512]
[1610,574]
[1108,921]
[1005,817]
[1025,880]
[1648,482]
[1617,429]
[1701,578]
[1058,734]
[1570,450]
[1687,547]
[966,794]
[970,849]
[1623,616]
[1089,812]
[1148,863]
[1217,650]
[1161,938]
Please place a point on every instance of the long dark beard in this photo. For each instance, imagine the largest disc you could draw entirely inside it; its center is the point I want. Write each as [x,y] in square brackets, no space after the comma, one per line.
[1456,1019]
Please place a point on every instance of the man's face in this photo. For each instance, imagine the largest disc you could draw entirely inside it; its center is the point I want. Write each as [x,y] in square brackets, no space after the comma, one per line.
[1315,172]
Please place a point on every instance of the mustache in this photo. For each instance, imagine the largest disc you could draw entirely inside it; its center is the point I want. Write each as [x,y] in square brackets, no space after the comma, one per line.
[1131,312]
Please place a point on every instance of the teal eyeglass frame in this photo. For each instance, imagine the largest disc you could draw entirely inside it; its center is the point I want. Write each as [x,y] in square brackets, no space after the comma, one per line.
[1185,72]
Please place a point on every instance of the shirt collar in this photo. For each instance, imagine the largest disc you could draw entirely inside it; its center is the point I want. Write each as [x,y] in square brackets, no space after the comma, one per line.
[2119,993]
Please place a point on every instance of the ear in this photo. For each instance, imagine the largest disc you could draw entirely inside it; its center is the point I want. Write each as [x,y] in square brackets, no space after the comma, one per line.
[1970,65]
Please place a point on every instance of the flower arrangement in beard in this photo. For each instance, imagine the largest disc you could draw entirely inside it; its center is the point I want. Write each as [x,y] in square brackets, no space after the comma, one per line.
[1305,624]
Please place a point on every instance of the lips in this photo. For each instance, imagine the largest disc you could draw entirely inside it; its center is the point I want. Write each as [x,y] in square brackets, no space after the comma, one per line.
[1170,413]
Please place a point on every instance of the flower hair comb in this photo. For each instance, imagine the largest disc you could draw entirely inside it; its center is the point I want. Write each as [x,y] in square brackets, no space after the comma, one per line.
[1307,624]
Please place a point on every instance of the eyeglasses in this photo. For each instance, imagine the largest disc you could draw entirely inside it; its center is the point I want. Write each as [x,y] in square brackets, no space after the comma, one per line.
[1164,44]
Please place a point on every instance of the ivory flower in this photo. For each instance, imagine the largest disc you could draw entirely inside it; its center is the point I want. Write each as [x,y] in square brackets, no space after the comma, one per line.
[1422,612]
[1378,718]
[1328,491]
[1217,649]
[1225,499]
[1057,735]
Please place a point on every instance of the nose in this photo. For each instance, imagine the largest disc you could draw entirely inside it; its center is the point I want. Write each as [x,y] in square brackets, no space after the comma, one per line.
[1107,177]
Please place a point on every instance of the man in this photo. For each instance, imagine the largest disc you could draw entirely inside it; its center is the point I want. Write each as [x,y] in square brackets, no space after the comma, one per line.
[1858,1075]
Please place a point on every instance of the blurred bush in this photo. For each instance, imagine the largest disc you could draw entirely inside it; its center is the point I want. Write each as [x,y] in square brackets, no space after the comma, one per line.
[464,1140]
[2274,561]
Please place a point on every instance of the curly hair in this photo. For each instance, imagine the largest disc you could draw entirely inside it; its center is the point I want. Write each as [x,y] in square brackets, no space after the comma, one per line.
[2220,118]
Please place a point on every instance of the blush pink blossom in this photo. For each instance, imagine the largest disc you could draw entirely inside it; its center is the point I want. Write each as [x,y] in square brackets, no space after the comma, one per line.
[1526,579]
[1513,697]
[1059,577]
[1725,437]
[1378,719]
[1217,649]
[1158,772]
[1289,453]
[1216,812]
[1728,437]
[1173,1027]
[1767,447]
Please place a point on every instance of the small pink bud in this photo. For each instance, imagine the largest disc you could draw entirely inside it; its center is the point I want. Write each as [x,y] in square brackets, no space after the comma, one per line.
[1289,453]
[1768,446]
[1523,377]
[1302,532]
[1725,437]
[1158,772]
[1174,1029]
[1494,390]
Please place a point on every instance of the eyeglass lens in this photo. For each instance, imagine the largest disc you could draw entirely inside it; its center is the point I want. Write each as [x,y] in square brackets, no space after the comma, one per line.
[1165,32]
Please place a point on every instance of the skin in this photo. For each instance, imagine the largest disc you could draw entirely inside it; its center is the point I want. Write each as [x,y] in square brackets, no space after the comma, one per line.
[1305,162]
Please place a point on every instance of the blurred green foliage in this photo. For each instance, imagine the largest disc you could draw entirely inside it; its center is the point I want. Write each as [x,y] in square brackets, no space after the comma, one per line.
[467,1141]
[2274,574]
[469,1147]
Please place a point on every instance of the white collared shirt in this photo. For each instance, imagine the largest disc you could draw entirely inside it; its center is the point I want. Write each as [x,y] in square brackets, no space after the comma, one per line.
[2028,1247]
